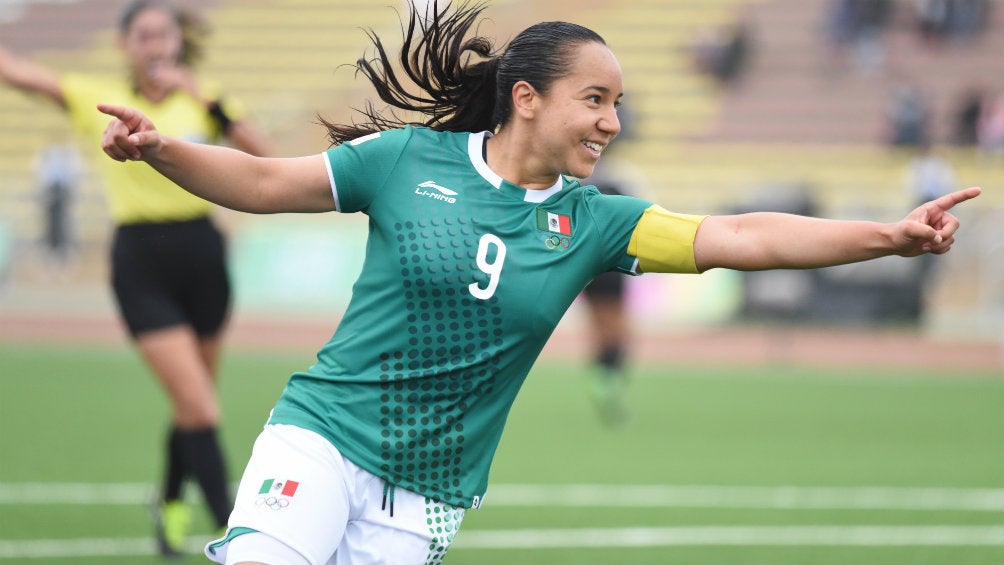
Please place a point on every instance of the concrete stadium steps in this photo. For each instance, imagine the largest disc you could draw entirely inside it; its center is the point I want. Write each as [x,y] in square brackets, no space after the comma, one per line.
[703,148]
[69,24]
[278,57]
[283,58]
[651,39]
[842,179]
[797,91]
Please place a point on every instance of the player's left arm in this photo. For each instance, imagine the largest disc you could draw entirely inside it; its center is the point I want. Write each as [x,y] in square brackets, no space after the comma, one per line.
[764,240]
[222,175]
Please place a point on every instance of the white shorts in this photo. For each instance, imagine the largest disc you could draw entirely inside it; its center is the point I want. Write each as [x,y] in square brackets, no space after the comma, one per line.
[298,489]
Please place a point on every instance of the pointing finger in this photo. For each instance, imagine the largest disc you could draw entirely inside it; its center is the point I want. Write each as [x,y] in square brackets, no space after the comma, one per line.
[947,201]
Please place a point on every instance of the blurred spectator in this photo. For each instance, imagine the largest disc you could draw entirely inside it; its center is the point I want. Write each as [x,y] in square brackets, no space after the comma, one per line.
[990,128]
[932,19]
[723,52]
[968,17]
[857,27]
[967,118]
[840,22]
[58,167]
[929,175]
[5,253]
[939,20]
[908,115]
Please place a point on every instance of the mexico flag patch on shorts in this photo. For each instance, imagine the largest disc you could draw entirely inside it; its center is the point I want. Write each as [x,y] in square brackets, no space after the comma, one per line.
[276,486]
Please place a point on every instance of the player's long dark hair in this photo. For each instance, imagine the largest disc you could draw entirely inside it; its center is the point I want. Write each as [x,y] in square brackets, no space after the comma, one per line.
[463,83]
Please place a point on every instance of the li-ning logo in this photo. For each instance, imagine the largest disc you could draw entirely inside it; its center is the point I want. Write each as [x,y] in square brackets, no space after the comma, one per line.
[442,193]
[275,495]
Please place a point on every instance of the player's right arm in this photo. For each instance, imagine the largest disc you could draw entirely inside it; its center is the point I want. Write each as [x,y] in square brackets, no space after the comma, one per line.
[765,240]
[30,77]
[666,242]
[222,175]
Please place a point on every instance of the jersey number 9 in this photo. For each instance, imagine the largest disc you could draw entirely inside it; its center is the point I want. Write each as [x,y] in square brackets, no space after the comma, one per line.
[492,269]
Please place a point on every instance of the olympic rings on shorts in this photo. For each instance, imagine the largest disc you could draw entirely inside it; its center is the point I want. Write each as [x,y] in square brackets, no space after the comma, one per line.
[271,502]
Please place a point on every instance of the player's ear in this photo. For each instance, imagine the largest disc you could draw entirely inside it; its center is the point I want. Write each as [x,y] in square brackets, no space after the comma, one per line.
[525,100]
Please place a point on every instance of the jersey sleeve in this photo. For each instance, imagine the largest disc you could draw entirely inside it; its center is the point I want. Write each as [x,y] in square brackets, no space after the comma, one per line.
[615,218]
[663,241]
[359,168]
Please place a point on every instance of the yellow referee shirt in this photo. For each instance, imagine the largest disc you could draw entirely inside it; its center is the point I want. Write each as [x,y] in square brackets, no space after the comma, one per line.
[136,192]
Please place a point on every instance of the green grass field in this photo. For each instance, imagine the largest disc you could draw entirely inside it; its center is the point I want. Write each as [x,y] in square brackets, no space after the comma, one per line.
[716,465]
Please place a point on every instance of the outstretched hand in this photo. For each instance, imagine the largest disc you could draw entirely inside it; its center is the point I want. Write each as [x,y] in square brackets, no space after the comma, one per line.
[131,136]
[930,228]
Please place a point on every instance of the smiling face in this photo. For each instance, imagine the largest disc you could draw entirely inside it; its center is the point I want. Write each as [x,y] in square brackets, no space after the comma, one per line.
[577,117]
[153,40]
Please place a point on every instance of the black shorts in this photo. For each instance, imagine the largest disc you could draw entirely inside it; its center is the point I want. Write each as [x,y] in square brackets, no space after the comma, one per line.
[168,274]
[605,285]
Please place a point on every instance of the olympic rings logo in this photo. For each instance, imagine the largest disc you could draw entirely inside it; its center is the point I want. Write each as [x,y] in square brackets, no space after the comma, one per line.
[556,242]
[271,502]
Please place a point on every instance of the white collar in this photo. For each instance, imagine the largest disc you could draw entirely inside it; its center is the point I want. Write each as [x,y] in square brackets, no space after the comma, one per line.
[475,151]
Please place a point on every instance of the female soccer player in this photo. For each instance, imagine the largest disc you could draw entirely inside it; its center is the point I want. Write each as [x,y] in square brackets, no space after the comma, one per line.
[168,269]
[478,243]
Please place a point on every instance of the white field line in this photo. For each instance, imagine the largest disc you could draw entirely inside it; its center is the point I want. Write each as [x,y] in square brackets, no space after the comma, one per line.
[86,547]
[599,496]
[735,535]
[92,494]
[786,497]
[860,536]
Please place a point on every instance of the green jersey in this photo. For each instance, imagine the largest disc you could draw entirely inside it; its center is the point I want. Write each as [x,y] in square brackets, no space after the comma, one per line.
[466,276]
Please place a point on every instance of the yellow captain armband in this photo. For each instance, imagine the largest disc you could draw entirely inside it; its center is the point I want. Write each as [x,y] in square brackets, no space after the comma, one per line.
[663,241]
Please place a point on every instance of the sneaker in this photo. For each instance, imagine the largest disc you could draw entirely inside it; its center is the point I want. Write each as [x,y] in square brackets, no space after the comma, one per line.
[608,389]
[171,521]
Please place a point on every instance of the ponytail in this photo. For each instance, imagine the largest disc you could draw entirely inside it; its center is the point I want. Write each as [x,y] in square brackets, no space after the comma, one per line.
[454,93]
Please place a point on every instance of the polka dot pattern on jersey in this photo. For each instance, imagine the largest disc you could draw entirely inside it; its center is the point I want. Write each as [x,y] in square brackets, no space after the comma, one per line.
[451,362]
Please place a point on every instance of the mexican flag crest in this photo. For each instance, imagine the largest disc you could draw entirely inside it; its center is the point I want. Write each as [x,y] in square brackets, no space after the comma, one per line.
[554,223]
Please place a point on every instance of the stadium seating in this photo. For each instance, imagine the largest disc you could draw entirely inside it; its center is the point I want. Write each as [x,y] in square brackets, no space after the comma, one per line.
[283,58]
[703,148]
[788,121]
